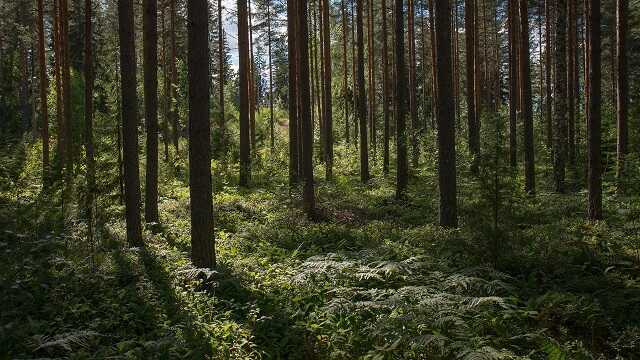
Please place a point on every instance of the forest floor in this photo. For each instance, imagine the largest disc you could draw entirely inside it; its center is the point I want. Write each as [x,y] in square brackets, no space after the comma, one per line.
[373,278]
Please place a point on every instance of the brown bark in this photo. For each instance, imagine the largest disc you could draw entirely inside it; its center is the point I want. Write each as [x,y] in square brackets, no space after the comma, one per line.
[150,59]
[400,87]
[474,135]
[252,85]
[560,96]
[547,76]
[245,91]
[129,121]
[221,75]
[271,118]
[622,86]
[328,115]
[44,84]
[372,75]
[174,79]
[362,97]
[88,116]
[527,106]
[294,154]
[345,68]
[413,114]
[445,117]
[513,24]
[385,89]
[594,156]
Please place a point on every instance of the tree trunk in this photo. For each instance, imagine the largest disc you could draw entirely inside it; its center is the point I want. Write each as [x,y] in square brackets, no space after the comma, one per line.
[385,89]
[57,46]
[432,35]
[362,97]
[66,88]
[88,116]
[372,76]
[271,118]
[527,106]
[445,117]
[413,114]
[354,77]
[174,79]
[202,248]
[150,50]
[328,115]
[221,74]
[292,34]
[44,85]
[167,88]
[594,156]
[252,86]
[474,136]
[345,85]
[129,121]
[571,85]
[622,87]
[400,90]
[245,90]
[305,108]
[560,96]
[547,75]
[513,83]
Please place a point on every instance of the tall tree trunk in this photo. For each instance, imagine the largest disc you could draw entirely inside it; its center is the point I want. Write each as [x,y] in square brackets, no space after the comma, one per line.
[252,85]
[594,156]
[560,96]
[150,50]
[547,74]
[202,248]
[527,106]
[271,118]
[385,89]
[354,77]
[513,82]
[66,88]
[44,85]
[88,116]
[362,97]
[571,84]
[174,79]
[400,90]
[474,136]
[345,85]
[372,76]
[245,90]
[221,74]
[305,108]
[413,114]
[328,115]
[445,117]
[622,87]
[57,46]
[167,87]
[432,36]
[292,34]
[130,121]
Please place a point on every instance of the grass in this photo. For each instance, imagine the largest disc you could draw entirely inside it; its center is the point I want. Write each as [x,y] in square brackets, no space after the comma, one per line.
[374,278]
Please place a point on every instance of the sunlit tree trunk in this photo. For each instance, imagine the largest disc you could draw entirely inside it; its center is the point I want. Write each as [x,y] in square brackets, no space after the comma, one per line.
[245,90]
[292,35]
[221,75]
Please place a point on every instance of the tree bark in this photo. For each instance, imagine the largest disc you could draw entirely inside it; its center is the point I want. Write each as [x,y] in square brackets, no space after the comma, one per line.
[305,108]
[202,248]
[622,86]
[474,136]
[44,85]
[594,156]
[129,121]
[88,116]
[345,68]
[415,154]
[221,74]
[560,96]
[547,76]
[328,115]
[292,34]
[174,79]
[150,50]
[385,89]
[402,166]
[527,106]
[513,82]
[362,97]
[445,117]
[271,118]
[245,90]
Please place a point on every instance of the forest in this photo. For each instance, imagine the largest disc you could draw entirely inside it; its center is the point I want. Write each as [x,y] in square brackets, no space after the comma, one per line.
[320,179]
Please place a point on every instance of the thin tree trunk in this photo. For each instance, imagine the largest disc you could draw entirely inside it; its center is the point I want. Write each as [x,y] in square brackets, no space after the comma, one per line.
[57,46]
[400,89]
[622,87]
[174,79]
[571,84]
[130,121]
[560,96]
[150,50]
[345,85]
[513,82]
[372,76]
[328,115]
[245,90]
[354,77]
[88,116]
[252,85]
[167,87]
[66,88]
[445,117]
[221,74]
[271,118]
[362,97]
[385,89]
[44,85]
[413,114]
[474,136]
[548,107]
[527,111]
[594,156]
[292,33]
[433,61]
